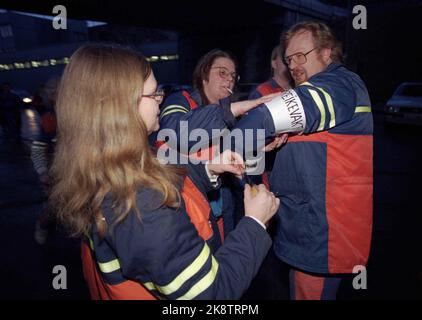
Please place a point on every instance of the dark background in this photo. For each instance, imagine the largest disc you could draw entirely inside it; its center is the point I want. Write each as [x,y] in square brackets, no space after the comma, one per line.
[384,55]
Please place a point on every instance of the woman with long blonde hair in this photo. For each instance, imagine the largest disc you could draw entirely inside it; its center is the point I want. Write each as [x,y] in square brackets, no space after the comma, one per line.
[147,228]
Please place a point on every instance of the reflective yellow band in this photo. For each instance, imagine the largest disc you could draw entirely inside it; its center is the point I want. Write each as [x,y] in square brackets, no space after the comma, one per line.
[330,105]
[306,84]
[105,267]
[186,274]
[167,110]
[108,267]
[174,106]
[150,286]
[91,243]
[320,106]
[362,109]
[202,284]
[172,111]
[330,108]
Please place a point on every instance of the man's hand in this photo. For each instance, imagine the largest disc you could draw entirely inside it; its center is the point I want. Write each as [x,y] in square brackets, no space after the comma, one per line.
[279,140]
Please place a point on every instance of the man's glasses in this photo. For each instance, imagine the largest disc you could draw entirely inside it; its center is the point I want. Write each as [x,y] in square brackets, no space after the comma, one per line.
[225,73]
[157,96]
[299,58]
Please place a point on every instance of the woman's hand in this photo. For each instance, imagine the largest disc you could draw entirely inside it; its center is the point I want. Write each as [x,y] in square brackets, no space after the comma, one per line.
[260,204]
[241,107]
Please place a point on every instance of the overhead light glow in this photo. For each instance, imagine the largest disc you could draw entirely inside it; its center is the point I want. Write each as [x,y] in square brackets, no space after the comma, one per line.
[51,62]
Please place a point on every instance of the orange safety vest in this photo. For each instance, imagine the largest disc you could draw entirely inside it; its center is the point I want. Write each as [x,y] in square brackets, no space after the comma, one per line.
[198,210]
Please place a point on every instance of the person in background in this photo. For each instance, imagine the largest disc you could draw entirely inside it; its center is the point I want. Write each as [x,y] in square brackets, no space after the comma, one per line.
[280,80]
[42,150]
[146,227]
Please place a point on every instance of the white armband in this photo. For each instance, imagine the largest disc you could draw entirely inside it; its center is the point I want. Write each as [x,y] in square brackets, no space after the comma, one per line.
[287,112]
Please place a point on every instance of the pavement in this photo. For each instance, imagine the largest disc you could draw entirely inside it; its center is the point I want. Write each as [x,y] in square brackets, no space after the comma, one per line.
[394,270]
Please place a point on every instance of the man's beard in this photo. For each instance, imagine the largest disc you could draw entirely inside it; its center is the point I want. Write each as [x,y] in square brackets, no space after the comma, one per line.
[299,76]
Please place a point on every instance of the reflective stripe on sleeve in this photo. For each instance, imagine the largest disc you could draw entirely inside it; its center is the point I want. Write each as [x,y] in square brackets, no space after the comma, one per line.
[362,109]
[329,102]
[330,108]
[202,284]
[172,109]
[320,105]
[108,267]
[185,275]
[105,267]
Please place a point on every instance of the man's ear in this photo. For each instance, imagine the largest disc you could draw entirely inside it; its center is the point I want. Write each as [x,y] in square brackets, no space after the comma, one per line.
[326,55]
[273,64]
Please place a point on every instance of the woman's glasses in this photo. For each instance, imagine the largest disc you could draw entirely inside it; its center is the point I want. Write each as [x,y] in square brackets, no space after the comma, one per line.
[225,73]
[157,95]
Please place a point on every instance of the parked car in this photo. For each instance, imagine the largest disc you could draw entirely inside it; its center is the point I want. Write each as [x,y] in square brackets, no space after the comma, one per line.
[405,106]
[24,95]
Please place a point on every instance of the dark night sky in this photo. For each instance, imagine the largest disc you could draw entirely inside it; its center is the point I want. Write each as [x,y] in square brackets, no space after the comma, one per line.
[385,54]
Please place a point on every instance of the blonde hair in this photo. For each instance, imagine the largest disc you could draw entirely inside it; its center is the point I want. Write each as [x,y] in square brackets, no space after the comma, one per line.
[102,146]
[322,35]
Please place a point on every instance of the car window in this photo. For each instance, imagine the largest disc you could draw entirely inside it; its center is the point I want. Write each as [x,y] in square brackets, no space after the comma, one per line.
[410,90]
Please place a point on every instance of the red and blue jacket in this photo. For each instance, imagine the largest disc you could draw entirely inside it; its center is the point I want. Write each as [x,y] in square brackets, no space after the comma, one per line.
[187,105]
[173,253]
[268,87]
[324,177]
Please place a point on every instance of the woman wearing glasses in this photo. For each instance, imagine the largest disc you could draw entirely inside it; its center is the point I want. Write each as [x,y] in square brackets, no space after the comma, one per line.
[208,107]
[141,220]
[214,78]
